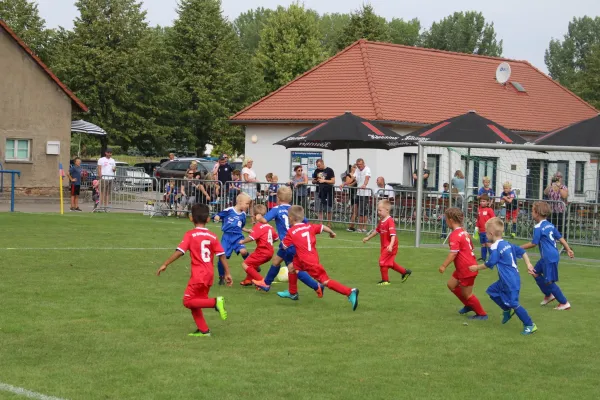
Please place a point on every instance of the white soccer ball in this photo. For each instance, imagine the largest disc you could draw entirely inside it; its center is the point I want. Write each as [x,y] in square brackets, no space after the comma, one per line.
[282,276]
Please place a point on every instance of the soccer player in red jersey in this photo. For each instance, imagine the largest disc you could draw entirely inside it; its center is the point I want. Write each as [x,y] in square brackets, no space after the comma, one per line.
[389,244]
[484,214]
[303,237]
[264,235]
[203,246]
[461,253]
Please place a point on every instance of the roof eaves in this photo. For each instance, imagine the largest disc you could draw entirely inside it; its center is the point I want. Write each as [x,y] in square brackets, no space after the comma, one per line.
[64,88]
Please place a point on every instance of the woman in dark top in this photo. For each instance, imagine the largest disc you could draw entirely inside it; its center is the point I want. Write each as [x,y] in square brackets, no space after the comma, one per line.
[348,187]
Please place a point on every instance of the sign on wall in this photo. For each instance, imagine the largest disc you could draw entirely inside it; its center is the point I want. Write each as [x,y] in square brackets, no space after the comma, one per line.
[308,160]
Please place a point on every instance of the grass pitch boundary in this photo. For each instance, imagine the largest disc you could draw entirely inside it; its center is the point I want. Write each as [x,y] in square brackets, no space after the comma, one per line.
[19,391]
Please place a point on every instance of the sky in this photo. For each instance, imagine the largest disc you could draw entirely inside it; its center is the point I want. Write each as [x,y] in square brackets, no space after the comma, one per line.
[525,26]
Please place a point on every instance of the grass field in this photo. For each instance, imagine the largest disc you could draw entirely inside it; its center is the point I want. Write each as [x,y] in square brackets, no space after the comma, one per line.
[84,317]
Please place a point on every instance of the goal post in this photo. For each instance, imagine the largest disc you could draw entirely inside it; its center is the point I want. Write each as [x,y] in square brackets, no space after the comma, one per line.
[528,169]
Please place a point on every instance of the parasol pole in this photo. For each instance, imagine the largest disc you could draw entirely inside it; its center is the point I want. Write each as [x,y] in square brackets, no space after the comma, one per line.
[348,156]
[466,201]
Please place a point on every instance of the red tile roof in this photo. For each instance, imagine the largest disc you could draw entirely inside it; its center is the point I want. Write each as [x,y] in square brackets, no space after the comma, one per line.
[410,85]
[64,88]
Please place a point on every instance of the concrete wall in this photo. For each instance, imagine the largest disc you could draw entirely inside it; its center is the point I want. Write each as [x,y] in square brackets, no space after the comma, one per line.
[390,164]
[32,107]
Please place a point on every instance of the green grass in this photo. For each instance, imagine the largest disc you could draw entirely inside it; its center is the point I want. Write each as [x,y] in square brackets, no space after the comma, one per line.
[96,323]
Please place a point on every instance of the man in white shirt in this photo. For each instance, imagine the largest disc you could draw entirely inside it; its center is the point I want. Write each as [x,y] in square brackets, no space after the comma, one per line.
[384,191]
[362,174]
[106,175]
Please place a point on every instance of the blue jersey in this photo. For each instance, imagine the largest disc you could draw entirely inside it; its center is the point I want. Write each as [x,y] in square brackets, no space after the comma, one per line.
[504,255]
[489,191]
[545,236]
[233,222]
[273,192]
[282,221]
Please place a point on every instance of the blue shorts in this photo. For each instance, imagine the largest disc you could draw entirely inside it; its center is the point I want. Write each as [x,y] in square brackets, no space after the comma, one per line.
[509,297]
[483,238]
[231,243]
[286,254]
[547,269]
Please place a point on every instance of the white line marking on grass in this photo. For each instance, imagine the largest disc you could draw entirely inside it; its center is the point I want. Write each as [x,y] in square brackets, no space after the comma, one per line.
[5,387]
[139,248]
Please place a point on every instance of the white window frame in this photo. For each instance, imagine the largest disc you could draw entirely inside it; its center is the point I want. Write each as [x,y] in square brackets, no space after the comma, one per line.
[13,157]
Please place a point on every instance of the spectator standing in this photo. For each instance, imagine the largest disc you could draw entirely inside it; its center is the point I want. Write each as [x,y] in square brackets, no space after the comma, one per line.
[324,178]
[486,188]
[349,182]
[74,176]
[557,193]
[215,169]
[224,175]
[458,188]
[426,173]
[362,176]
[272,192]
[188,191]
[249,181]
[444,203]
[298,184]
[106,175]
[235,187]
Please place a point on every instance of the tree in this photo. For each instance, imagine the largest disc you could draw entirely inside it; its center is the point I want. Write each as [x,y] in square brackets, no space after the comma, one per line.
[587,85]
[248,26]
[214,73]
[364,24]
[331,27]
[463,32]
[405,32]
[24,19]
[289,45]
[566,59]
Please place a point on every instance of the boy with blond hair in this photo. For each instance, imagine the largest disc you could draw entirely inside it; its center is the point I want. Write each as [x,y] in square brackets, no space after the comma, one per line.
[389,244]
[505,292]
[509,200]
[545,271]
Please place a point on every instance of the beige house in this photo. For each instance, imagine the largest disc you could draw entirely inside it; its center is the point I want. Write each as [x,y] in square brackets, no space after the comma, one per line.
[35,117]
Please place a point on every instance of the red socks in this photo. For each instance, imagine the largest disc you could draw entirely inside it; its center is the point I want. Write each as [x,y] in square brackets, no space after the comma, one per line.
[199,319]
[475,305]
[385,276]
[253,274]
[399,268]
[293,283]
[458,293]
[338,287]
[199,303]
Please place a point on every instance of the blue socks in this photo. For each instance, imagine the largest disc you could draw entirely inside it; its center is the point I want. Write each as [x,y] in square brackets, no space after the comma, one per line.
[523,316]
[558,294]
[514,228]
[484,253]
[220,268]
[546,289]
[305,278]
[498,301]
[272,274]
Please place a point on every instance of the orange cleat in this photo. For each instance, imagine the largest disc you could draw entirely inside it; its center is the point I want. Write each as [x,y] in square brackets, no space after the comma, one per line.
[246,282]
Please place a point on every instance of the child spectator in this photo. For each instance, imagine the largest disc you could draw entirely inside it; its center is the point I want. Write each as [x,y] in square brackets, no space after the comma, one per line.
[389,244]
[509,200]
[445,202]
[484,214]
[545,272]
[486,189]
[171,195]
[505,292]
[74,176]
[235,187]
[95,194]
[272,199]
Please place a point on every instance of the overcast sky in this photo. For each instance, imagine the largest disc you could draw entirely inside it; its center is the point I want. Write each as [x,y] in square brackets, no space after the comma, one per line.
[526,26]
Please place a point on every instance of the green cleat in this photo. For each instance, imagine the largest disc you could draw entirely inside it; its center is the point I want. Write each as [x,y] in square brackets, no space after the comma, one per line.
[353,299]
[220,307]
[287,295]
[383,283]
[406,275]
[199,333]
[507,315]
[528,330]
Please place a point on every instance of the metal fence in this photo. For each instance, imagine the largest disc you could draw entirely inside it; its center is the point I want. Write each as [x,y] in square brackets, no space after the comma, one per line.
[129,193]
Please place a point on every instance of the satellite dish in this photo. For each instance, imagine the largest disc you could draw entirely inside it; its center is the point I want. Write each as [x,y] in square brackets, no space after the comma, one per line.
[503,73]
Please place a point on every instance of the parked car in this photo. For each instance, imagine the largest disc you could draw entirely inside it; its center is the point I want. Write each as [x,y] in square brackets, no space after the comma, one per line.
[133,177]
[176,169]
[149,167]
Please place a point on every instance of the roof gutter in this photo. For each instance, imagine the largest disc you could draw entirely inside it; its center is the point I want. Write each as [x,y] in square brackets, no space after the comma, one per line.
[312,121]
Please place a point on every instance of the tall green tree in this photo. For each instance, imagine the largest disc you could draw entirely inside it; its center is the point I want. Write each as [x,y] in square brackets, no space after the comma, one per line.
[214,73]
[248,26]
[567,58]
[24,19]
[463,32]
[405,32]
[364,24]
[587,85]
[289,45]
[331,27]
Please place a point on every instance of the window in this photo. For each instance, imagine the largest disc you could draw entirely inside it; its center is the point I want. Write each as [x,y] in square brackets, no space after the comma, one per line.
[579,177]
[433,165]
[558,166]
[478,168]
[18,150]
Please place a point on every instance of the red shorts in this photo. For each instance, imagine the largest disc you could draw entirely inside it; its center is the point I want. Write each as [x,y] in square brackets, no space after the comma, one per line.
[316,271]
[271,204]
[387,259]
[512,215]
[255,259]
[464,282]
[196,290]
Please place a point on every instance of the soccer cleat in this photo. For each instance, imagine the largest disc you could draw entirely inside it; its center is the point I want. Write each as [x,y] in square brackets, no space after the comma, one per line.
[350,230]
[261,285]
[528,330]
[479,317]
[319,291]
[406,275]
[258,270]
[465,310]
[562,307]
[548,299]
[480,259]
[287,295]
[221,280]
[513,235]
[220,307]
[353,299]
[246,282]
[383,283]
[507,315]
[199,333]
[476,234]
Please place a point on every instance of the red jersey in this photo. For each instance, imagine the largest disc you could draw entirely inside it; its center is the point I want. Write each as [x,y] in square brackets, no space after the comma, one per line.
[460,242]
[264,235]
[484,215]
[387,229]
[303,238]
[203,246]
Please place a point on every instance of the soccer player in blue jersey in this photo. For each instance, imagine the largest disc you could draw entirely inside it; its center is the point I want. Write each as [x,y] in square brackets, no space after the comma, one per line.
[233,221]
[282,224]
[505,292]
[545,272]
